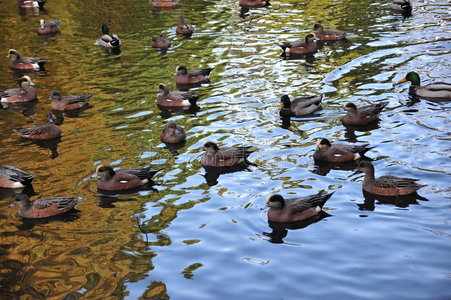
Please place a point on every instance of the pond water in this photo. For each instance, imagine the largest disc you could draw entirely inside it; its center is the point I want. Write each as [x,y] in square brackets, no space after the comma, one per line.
[198,236]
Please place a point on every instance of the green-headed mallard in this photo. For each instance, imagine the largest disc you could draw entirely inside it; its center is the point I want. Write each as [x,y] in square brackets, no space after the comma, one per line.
[431,90]
[299,106]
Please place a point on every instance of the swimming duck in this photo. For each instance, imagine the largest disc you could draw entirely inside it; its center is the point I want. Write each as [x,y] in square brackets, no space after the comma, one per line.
[160,41]
[432,90]
[176,98]
[326,152]
[165,4]
[184,28]
[40,132]
[253,3]
[386,185]
[173,133]
[25,92]
[48,27]
[68,102]
[31,3]
[44,207]
[363,115]
[12,177]
[25,63]
[301,47]
[123,179]
[299,106]
[283,210]
[108,40]
[401,5]
[215,156]
[327,34]
[185,76]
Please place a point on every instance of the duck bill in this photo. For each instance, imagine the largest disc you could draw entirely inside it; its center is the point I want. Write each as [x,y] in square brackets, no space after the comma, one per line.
[281,106]
[402,80]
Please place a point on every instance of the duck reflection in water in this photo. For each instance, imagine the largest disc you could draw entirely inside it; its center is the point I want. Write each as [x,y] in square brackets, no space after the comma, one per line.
[6,193]
[350,130]
[167,112]
[26,108]
[323,168]
[402,201]
[212,173]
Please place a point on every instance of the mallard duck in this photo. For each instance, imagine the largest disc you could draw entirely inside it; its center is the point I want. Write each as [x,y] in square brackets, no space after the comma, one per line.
[299,106]
[432,90]
[25,63]
[362,115]
[184,28]
[48,27]
[160,41]
[25,92]
[165,4]
[108,40]
[301,47]
[68,102]
[185,76]
[327,34]
[386,185]
[215,156]
[283,210]
[44,207]
[40,132]
[253,3]
[12,177]
[326,152]
[123,179]
[401,5]
[31,3]
[173,133]
[175,98]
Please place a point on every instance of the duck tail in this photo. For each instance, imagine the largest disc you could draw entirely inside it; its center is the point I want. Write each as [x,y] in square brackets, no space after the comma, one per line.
[284,45]
[324,197]
[41,63]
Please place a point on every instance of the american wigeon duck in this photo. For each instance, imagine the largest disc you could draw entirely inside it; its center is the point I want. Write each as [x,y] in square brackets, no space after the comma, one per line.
[326,152]
[44,207]
[363,115]
[184,28]
[432,90]
[48,27]
[175,98]
[123,179]
[25,92]
[301,47]
[401,5]
[283,210]
[25,63]
[253,3]
[68,102]
[165,4]
[31,3]
[160,41]
[12,177]
[108,40]
[215,156]
[185,76]
[40,132]
[386,185]
[328,34]
[299,106]
[173,133]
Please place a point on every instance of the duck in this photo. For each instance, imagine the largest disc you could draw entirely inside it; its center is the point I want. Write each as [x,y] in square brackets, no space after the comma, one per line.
[68,102]
[215,156]
[184,28]
[160,41]
[363,115]
[299,106]
[165,3]
[31,3]
[41,132]
[25,63]
[48,27]
[24,93]
[401,5]
[301,47]
[282,210]
[253,3]
[44,207]
[326,152]
[14,178]
[173,133]
[327,34]
[432,90]
[108,40]
[176,98]
[185,76]
[123,179]
[386,185]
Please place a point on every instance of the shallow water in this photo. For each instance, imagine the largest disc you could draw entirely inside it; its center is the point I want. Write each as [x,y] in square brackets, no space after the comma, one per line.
[192,239]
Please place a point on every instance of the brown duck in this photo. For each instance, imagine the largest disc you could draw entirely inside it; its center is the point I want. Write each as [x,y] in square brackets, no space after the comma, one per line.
[301,47]
[48,27]
[215,156]
[40,132]
[173,133]
[363,115]
[175,98]
[326,152]
[184,28]
[44,207]
[68,102]
[25,92]
[160,41]
[12,177]
[123,179]
[185,76]
[327,34]
[25,63]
